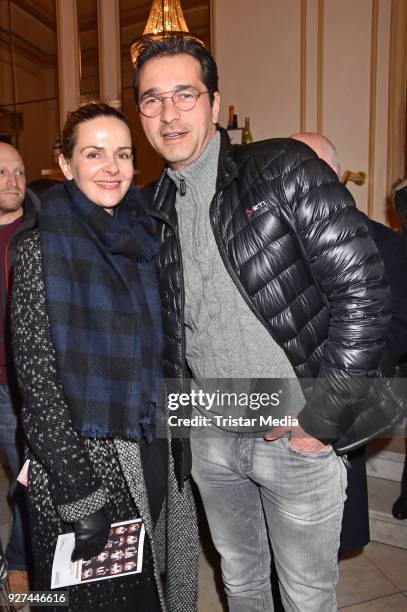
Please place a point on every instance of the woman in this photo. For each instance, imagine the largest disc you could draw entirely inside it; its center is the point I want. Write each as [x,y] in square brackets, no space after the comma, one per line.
[87,342]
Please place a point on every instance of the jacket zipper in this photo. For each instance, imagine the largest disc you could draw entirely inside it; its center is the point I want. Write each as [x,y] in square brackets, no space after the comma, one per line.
[183,341]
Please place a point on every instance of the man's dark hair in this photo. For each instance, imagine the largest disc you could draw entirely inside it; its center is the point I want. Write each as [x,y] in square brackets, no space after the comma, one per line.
[150,48]
[80,115]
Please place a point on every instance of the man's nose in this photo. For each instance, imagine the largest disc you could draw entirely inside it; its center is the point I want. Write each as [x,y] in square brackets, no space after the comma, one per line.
[12,180]
[169,112]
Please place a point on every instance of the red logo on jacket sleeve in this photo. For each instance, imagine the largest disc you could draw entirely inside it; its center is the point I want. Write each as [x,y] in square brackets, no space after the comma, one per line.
[250,211]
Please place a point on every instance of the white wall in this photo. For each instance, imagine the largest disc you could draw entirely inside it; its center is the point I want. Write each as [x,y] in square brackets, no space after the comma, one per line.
[257,50]
[310,65]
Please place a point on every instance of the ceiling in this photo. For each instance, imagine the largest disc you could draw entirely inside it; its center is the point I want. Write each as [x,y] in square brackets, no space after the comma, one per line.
[33,24]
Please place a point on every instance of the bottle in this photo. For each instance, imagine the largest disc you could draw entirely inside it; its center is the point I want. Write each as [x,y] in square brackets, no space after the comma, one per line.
[231,117]
[247,135]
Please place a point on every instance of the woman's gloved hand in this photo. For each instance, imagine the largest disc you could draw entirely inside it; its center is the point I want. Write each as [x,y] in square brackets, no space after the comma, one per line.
[91,535]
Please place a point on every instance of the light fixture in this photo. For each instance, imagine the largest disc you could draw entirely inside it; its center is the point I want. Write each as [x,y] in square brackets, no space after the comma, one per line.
[166,19]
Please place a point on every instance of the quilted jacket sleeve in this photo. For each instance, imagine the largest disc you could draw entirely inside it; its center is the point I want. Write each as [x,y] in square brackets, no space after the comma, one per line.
[75,489]
[349,271]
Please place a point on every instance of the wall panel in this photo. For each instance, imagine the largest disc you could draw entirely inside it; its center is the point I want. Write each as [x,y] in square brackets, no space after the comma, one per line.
[346,86]
[258,55]
[339,88]
[380,207]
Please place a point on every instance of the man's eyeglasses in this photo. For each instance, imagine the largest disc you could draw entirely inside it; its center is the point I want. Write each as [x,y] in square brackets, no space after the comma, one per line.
[183,99]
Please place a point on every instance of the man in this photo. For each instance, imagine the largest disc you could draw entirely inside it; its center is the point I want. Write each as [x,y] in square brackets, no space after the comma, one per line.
[17,215]
[322,147]
[266,271]
[393,249]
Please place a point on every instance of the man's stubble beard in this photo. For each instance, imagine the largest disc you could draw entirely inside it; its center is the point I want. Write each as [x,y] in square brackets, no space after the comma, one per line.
[10,206]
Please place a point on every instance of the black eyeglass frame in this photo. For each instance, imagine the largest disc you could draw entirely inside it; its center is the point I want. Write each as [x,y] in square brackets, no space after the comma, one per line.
[197,95]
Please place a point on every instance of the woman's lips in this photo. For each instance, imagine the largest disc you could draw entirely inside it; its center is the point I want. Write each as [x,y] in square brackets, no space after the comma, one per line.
[108,184]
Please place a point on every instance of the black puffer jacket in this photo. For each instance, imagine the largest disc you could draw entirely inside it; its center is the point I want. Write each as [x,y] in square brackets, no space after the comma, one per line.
[301,256]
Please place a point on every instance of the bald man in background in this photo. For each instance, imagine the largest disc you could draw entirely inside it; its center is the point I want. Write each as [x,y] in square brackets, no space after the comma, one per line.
[17,217]
[322,147]
[393,249]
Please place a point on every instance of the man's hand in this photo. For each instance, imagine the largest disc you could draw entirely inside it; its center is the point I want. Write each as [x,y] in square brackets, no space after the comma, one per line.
[299,440]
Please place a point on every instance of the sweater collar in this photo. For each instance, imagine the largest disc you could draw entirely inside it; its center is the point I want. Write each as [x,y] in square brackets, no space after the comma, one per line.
[203,171]
[163,203]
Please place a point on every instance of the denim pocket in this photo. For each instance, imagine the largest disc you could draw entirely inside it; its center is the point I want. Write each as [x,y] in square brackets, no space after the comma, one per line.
[325,453]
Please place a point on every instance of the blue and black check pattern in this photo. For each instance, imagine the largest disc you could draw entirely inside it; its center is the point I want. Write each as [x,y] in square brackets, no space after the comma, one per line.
[104,310]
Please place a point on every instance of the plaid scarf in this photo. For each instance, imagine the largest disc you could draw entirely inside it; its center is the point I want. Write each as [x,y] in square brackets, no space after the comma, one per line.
[104,310]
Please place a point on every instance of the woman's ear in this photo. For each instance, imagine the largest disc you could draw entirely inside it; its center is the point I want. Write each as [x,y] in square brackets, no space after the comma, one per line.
[65,167]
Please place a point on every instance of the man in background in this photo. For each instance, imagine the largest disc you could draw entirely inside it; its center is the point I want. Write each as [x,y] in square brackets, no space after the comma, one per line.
[17,216]
[393,249]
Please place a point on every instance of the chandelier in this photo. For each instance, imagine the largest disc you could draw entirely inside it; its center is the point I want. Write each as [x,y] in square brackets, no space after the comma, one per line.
[166,19]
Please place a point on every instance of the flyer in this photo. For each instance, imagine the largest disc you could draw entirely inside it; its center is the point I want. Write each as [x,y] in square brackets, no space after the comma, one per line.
[122,555]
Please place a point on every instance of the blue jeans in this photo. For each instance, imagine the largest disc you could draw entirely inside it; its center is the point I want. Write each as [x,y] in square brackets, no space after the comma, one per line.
[254,490]
[11,444]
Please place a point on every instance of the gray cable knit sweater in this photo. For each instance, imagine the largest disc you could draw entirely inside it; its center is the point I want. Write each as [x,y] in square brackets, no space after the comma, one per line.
[223,337]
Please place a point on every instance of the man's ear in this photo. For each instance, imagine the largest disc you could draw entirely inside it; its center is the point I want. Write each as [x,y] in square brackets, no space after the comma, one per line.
[65,167]
[215,107]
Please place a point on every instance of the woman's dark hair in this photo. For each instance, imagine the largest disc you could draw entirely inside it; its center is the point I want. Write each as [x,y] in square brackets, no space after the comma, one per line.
[80,115]
[150,48]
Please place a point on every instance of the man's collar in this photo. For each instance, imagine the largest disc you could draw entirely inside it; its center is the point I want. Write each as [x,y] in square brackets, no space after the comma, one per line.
[206,163]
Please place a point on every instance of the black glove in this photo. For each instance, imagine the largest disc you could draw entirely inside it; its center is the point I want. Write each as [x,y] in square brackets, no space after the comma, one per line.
[91,535]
